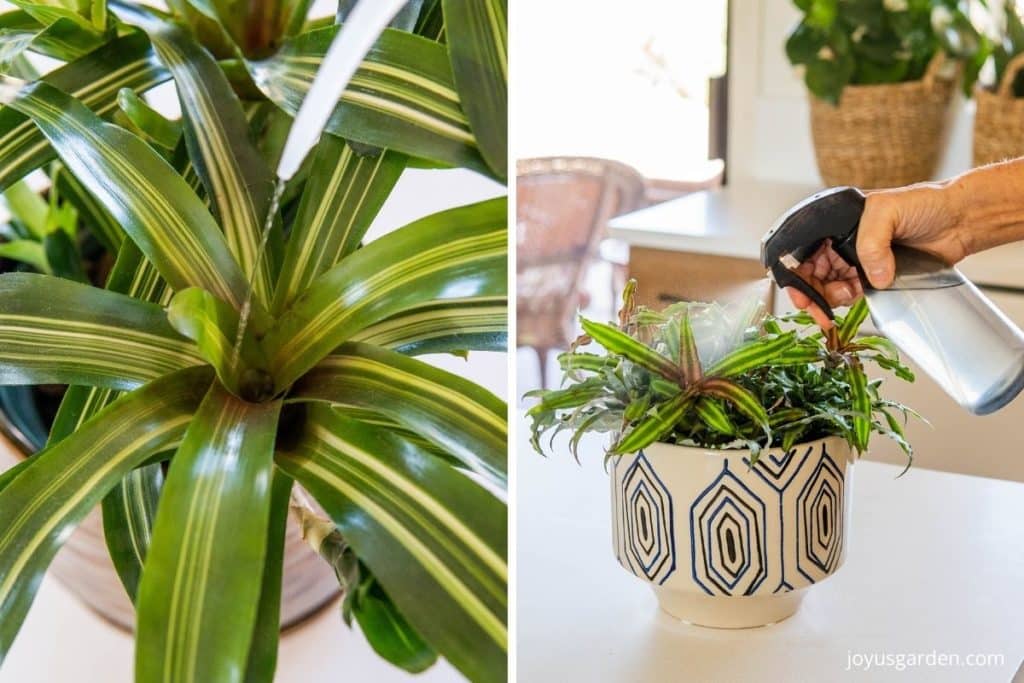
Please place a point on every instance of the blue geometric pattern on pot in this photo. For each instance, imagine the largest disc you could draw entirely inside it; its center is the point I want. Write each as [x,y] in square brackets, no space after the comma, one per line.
[728,544]
[647,537]
[779,472]
[819,520]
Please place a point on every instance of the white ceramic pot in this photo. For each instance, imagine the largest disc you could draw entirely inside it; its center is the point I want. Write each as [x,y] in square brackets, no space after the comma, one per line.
[725,544]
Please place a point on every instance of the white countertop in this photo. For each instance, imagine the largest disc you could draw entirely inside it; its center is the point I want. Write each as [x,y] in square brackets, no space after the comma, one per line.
[731,220]
[935,563]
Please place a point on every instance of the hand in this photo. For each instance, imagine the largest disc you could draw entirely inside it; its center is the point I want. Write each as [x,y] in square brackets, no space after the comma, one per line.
[925,217]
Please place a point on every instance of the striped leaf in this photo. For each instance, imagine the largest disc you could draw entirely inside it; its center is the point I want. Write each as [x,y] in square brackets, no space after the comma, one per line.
[97,219]
[751,355]
[459,416]
[95,80]
[434,538]
[743,399]
[212,324]
[478,49]
[61,39]
[128,513]
[9,475]
[476,324]
[713,415]
[861,401]
[799,354]
[54,331]
[154,126]
[63,483]
[263,650]
[655,425]
[129,508]
[689,359]
[407,267]
[430,23]
[196,611]
[141,190]
[619,343]
[853,319]
[237,179]
[403,97]
[344,192]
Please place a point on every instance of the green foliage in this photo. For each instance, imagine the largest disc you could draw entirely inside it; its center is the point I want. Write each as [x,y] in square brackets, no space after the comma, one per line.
[863,42]
[242,368]
[1008,44]
[759,384]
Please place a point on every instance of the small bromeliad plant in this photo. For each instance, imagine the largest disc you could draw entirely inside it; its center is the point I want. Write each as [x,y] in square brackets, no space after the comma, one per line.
[219,371]
[709,376]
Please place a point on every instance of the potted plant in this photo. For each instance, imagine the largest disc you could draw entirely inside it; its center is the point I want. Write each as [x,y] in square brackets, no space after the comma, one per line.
[999,116]
[877,75]
[225,375]
[732,441]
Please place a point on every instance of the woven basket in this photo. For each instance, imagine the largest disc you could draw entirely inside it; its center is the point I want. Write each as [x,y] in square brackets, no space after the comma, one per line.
[999,119]
[882,135]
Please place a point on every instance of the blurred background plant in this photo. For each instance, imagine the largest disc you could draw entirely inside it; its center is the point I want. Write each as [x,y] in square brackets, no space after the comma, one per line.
[867,42]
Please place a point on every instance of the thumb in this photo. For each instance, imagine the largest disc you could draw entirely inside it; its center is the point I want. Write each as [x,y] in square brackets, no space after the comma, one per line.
[874,243]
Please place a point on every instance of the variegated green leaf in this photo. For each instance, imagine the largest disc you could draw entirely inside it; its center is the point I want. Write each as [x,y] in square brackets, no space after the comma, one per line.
[434,538]
[129,508]
[618,342]
[97,219]
[742,398]
[689,359]
[141,190]
[95,80]
[655,425]
[446,326]
[751,355]
[403,96]
[157,129]
[478,48]
[861,405]
[236,177]
[63,483]
[856,315]
[456,414]
[212,324]
[344,192]
[197,611]
[54,331]
[713,415]
[128,513]
[263,650]
[405,268]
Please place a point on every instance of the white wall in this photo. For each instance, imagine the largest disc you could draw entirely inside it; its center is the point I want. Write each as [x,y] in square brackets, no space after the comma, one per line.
[769,126]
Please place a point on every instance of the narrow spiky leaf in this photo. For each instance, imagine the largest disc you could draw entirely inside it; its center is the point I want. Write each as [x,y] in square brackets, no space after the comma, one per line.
[689,359]
[751,355]
[618,342]
[655,425]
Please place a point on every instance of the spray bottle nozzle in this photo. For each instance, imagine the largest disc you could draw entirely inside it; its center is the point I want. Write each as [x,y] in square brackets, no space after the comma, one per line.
[831,214]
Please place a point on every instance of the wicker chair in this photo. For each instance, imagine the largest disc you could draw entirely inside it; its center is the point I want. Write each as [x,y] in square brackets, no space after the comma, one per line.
[563,205]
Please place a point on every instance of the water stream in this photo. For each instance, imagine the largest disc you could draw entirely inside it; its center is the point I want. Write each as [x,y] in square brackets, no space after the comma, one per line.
[246,312]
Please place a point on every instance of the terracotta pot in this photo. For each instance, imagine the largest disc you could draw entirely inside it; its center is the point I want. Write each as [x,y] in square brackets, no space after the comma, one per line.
[727,545]
[84,566]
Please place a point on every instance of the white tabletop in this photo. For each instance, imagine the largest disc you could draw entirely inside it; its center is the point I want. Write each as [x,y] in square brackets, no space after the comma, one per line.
[935,564]
[726,221]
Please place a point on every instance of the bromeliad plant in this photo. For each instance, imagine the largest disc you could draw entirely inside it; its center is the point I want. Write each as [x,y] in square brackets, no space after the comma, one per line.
[704,375]
[246,370]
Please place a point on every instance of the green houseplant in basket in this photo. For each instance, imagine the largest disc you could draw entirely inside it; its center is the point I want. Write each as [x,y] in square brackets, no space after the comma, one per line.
[876,74]
[999,116]
[732,441]
[222,376]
